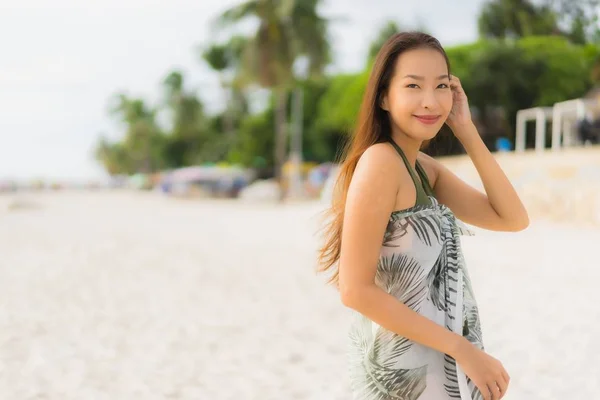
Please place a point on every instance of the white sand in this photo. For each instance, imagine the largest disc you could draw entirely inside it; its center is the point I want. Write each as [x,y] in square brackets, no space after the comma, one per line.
[129,296]
[557,185]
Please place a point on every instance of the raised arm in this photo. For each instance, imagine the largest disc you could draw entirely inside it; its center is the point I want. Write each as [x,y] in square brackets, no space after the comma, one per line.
[500,208]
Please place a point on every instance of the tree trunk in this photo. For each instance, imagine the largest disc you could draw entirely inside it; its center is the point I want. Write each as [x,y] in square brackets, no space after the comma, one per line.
[228,137]
[229,110]
[295,189]
[280,138]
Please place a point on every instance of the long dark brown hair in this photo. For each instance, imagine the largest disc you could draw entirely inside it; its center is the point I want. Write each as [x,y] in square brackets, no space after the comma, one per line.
[373,126]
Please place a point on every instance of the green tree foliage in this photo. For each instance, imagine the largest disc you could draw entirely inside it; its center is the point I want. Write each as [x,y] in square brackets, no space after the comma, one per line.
[388,30]
[287,30]
[114,157]
[226,60]
[530,54]
[189,132]
[140,150]
[512,75]
[255,145]
[576,20]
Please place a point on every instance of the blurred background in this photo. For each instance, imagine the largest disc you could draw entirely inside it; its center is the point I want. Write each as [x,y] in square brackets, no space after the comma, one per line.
[164,166]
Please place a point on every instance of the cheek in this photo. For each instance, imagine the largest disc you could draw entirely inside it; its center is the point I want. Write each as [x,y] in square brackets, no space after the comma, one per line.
[445,102]
[405,104]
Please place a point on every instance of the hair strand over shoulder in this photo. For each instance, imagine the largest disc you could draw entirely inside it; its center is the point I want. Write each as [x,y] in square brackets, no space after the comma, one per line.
[373,126]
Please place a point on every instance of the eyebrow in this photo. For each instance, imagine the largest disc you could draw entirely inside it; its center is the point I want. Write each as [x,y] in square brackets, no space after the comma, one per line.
[422,78]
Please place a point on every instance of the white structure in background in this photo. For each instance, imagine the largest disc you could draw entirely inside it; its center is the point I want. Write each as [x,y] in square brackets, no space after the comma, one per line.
[564,117]
[540,115]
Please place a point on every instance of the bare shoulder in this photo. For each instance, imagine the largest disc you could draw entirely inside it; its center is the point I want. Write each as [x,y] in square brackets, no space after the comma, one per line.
[431,167]
[377,175]
[380,162]
[379,154]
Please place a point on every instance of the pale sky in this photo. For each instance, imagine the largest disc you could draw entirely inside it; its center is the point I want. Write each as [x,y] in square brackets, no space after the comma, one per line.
[61,60]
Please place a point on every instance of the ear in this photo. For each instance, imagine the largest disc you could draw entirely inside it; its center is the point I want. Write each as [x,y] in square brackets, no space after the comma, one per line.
[384,103]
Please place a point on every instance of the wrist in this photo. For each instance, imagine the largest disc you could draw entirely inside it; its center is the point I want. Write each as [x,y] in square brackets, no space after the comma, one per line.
[466,134]
[459,346]
[463,128]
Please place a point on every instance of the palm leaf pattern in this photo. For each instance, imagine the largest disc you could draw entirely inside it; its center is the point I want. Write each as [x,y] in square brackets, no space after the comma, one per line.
[475,393]
[378,353]
[426,229]
[471,314]
[443,277]
[383,383]
[388,366]
[451,385]
[396,229]
[403,278]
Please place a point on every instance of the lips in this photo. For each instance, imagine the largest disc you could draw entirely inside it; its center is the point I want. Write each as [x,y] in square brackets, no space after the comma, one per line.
[427,119]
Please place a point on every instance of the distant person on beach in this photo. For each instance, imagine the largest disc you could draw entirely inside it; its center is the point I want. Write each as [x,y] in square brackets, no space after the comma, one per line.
[588,130]
[393,241]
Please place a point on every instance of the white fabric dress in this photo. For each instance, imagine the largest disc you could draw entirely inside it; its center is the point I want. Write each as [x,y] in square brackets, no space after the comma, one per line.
[421,264]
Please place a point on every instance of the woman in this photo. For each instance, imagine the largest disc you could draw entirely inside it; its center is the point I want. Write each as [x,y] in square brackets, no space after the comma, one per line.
[395,240]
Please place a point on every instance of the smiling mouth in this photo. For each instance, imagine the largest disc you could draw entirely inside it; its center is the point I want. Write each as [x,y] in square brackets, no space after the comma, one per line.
[427,119]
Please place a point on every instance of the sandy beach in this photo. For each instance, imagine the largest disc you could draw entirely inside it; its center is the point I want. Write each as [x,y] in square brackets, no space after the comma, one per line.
[138,296]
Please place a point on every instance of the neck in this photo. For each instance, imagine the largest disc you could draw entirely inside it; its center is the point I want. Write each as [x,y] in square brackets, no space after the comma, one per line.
[409,146]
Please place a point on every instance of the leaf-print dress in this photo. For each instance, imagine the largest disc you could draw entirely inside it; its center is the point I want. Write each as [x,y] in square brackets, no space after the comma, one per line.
[421,264]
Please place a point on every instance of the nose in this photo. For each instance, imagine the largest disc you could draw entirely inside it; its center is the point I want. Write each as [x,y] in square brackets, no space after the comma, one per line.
[429,100]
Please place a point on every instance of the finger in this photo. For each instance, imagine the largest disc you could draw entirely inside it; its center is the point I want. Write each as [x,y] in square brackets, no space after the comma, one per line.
[455,84]
[502,386]
[485,391]
[494,390]
[506,377]
[503,382]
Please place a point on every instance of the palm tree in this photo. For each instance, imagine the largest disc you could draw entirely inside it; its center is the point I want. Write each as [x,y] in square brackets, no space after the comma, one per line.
[187,110]
[388,30]
[113,157]
[173,84]
[225,60]
[287,30]
[142,131]
[188,123]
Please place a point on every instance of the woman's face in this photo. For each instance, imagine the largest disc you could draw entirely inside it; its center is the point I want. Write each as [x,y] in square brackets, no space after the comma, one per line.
[419,98]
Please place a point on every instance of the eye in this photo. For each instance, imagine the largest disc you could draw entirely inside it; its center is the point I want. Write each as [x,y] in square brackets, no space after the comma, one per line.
[412,85]
[443,86]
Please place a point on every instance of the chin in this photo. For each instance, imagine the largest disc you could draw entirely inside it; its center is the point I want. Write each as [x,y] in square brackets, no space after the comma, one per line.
[425,133]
